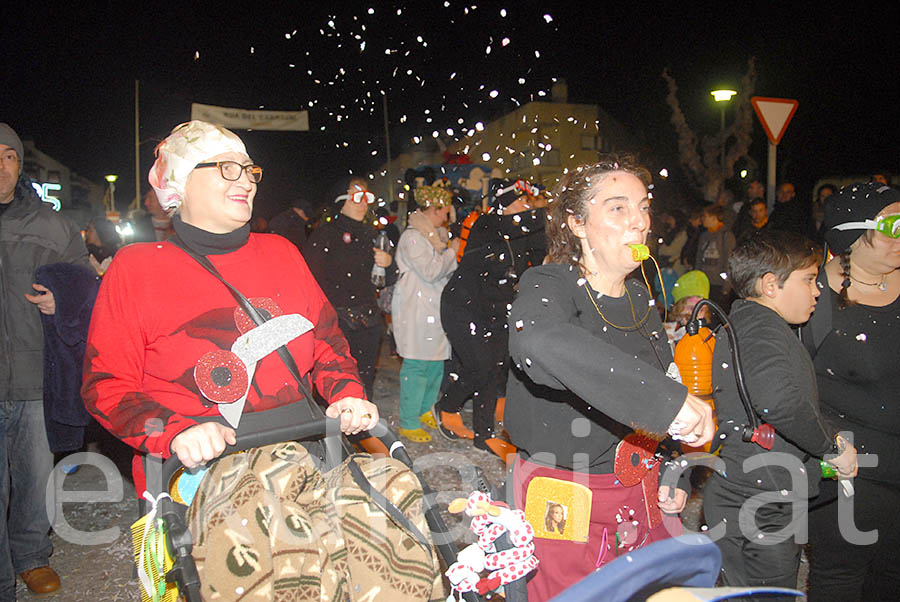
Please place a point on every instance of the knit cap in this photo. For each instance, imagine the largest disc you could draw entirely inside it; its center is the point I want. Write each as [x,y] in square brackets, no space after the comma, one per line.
[691,284]
[8,137]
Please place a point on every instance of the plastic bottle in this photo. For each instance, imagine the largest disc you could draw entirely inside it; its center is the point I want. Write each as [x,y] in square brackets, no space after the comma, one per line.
[378,273]
[694,356]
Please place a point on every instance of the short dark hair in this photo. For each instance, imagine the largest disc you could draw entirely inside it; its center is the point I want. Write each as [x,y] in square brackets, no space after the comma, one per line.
[717,211]
[825,186]
[753,202]
[769,251]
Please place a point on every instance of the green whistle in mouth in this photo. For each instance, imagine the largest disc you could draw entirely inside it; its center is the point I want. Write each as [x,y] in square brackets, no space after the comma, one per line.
[639,252]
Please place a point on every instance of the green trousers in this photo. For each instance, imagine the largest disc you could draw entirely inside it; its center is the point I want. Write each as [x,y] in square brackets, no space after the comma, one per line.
[420,383]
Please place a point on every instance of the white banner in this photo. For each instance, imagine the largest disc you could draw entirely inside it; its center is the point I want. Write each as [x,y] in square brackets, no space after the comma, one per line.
[244,119]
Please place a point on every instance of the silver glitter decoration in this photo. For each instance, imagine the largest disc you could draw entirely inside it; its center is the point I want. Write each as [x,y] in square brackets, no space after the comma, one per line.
[257,344]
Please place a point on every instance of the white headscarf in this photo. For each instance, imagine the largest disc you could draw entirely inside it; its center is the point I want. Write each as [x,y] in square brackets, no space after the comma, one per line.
[189,144]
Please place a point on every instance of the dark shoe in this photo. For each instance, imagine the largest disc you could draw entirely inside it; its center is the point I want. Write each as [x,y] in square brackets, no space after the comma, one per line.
[500,448]
[41,580]
[451,425]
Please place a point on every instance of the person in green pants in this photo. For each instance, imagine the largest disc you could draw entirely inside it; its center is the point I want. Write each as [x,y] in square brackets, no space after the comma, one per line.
[426,258]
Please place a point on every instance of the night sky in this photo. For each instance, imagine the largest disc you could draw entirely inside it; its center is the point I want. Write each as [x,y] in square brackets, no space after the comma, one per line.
[69,78]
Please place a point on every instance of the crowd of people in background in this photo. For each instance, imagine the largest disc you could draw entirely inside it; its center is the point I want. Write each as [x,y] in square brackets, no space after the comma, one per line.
[535,311]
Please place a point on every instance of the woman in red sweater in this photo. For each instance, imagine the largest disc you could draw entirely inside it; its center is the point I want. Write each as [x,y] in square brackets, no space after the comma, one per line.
[162,368]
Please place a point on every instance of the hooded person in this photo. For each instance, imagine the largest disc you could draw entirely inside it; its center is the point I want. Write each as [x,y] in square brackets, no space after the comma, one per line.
[426,257]
[293,222]
[32,235]
[852,337]
[475,304]
[102,241]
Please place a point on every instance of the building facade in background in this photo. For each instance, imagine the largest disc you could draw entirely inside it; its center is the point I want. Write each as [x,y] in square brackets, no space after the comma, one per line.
[75,196]
[535,142]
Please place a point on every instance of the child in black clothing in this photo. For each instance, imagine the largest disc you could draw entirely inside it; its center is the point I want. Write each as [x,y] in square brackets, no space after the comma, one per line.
[774,274]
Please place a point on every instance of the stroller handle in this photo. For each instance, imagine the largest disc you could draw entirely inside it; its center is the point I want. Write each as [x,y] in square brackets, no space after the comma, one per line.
[316,429]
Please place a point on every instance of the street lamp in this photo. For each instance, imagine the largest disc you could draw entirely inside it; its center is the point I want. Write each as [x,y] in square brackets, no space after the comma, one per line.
[110,198]
[723,96]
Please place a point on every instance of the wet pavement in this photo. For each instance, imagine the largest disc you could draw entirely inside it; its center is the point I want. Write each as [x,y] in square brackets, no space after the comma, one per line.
[92,542]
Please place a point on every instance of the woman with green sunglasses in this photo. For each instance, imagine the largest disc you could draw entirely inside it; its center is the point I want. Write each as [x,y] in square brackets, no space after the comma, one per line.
[853,337]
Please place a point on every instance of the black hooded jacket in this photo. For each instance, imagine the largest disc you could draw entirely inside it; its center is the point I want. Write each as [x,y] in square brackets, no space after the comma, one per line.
[498,251]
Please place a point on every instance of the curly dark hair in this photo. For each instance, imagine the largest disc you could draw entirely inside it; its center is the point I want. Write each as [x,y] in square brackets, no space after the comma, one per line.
[571,198]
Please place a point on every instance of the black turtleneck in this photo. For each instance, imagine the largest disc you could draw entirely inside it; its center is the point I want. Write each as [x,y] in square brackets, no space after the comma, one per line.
[208,243]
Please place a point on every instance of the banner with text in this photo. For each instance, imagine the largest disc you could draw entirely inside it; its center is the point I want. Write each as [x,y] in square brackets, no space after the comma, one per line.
[244,119]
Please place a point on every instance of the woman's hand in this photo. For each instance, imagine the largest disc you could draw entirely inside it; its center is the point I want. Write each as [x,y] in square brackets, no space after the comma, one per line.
[356,414]
[673,504]
[201,443]
[694,422]
[846,462]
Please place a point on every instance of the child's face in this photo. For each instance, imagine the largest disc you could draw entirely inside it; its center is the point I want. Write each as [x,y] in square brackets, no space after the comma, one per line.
[710,221]
[796,300]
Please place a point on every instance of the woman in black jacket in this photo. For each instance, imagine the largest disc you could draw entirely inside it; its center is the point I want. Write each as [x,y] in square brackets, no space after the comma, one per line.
[589,395]
[853,338]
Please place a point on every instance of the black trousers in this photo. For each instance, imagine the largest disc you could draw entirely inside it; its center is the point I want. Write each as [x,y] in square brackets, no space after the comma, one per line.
[758,559]
[840,570]
[364,344]
[477,369]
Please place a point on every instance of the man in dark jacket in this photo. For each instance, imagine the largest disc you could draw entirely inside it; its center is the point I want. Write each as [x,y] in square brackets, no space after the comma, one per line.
[340,254]
[791,214]
[31,235]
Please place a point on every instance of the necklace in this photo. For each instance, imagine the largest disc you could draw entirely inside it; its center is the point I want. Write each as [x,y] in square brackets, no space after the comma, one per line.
[636,324]
[882,286]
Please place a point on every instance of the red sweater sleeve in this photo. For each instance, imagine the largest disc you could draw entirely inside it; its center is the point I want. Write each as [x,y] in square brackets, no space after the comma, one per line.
[113,380]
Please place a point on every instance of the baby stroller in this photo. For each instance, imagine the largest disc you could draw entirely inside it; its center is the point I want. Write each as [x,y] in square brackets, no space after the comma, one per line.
[167,558]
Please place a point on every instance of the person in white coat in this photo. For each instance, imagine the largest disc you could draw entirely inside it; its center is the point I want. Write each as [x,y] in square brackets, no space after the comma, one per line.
[426,258]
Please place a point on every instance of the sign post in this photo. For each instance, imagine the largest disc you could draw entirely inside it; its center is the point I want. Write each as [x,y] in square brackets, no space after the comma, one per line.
[774,114]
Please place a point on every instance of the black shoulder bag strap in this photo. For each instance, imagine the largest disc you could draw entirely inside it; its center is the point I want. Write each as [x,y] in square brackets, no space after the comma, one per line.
[328,452]
[312,408]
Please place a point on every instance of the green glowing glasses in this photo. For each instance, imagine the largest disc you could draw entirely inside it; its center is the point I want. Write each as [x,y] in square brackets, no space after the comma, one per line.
[889,225]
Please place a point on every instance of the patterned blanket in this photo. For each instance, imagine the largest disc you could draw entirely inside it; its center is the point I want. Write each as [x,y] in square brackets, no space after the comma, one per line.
[268,525]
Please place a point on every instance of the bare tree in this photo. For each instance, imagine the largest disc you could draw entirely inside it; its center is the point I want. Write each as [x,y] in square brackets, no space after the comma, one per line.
[704,165]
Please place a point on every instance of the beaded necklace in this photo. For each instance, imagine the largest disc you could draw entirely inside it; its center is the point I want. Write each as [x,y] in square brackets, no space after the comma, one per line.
[636,324]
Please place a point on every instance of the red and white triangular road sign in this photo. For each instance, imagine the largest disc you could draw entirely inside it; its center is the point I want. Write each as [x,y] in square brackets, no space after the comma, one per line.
[774,114]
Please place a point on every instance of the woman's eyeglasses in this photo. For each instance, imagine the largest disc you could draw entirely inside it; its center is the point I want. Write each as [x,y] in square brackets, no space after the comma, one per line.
[231,170]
